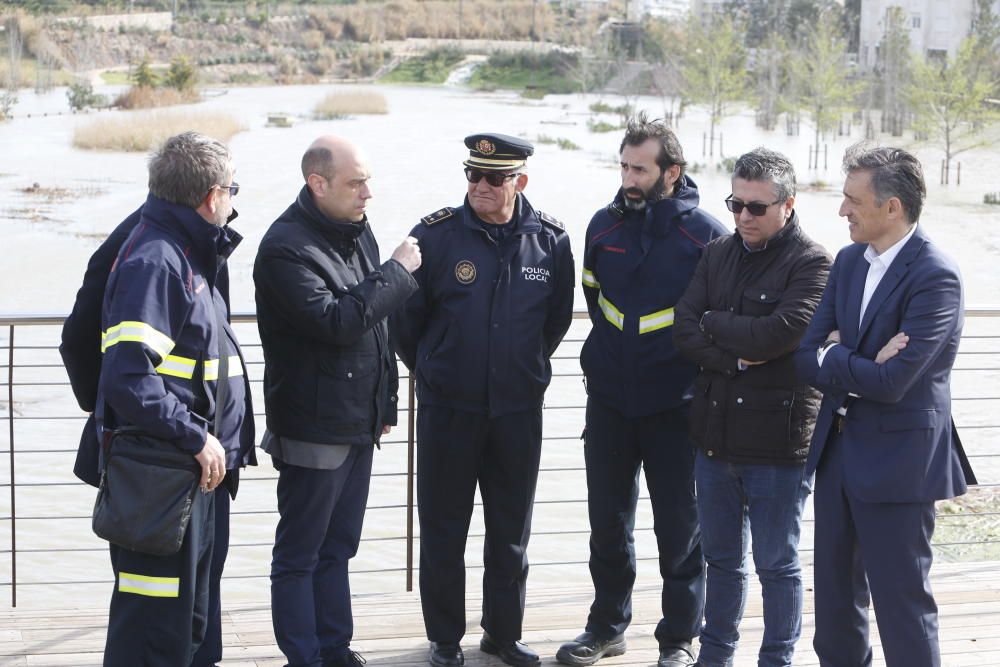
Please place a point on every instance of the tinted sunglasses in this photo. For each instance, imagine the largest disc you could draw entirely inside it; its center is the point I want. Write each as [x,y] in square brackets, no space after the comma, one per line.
[495,179]
[234,189]
[756,208]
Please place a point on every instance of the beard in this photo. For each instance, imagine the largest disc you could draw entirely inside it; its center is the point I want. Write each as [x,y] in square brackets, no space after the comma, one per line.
[637,199]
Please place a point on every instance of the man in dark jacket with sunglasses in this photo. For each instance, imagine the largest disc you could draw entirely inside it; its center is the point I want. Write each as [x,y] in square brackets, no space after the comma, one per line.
[741,320]
[330,391]
[495,299]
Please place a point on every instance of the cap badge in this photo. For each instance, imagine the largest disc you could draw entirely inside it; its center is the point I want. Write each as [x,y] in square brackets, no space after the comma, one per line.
[465,272]
[486,147]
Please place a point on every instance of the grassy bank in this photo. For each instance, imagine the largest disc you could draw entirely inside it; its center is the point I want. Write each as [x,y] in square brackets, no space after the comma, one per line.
[143,131]
[341,104]
[526,71]
[432,67]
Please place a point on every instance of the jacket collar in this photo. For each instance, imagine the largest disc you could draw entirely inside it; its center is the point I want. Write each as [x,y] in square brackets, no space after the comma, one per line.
[524,220]
[205,243]
[661,213]
[790,230]
[335,231]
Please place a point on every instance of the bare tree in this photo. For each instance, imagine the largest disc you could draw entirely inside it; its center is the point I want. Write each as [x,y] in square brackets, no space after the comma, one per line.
[894,69]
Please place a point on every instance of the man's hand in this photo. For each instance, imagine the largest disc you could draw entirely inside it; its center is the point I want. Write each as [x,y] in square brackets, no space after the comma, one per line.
[892,348]
[834,336]
[212,458]
[408,254]
[744,362]
[385,429]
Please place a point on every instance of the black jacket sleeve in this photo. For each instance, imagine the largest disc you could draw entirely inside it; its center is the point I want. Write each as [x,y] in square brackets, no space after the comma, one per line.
[560,315]
[775,335]
[692,342]
[81,333]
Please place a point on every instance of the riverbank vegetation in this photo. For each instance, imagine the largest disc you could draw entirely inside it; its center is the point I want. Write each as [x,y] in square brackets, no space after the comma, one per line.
[340,104]
[141,131]
[528,71]
[431,67]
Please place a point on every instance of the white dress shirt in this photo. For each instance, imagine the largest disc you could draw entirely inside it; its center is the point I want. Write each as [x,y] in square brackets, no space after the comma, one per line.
[878,265]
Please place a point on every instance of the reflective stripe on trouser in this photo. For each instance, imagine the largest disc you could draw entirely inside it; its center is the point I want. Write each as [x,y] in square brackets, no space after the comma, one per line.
[137,332]
[183,367]
[159,604]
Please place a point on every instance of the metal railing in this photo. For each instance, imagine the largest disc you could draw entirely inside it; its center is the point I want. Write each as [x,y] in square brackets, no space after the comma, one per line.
[48,510]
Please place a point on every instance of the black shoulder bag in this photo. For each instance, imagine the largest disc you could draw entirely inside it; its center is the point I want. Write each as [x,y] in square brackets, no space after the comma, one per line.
[148,485]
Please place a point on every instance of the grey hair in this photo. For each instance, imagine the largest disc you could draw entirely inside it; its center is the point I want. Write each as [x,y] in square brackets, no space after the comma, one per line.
[187,166]
[894,173]
[318,160]
[639,129]
[763,164]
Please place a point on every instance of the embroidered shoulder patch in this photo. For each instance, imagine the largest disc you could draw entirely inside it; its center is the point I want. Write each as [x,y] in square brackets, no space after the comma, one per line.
[438,216]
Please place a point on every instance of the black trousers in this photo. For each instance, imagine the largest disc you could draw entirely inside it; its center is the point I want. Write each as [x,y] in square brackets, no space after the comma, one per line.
[159,606]
[455,451]
[322,514]
[615,449]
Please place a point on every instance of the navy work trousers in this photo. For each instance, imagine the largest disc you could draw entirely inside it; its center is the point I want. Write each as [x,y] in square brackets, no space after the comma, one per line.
[615,448]
[455,450]
[319,529]
[159,606]
[210,651]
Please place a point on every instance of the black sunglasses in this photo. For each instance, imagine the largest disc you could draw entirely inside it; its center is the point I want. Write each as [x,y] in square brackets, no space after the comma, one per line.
[493,178]
[234,189]
[756,208]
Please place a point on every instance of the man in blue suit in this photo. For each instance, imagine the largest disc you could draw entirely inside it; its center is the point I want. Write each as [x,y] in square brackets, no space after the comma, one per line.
[881,346]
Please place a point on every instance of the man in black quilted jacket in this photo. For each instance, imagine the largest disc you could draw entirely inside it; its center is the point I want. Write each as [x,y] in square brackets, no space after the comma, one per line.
[330,385]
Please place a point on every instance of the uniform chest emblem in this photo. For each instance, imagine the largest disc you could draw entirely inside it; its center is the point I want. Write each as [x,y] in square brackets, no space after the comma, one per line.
[465,272]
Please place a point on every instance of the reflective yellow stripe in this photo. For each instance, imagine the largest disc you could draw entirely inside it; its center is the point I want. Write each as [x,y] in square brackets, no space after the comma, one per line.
[589,280]
[180,367]
[661,319]
[154,587]
[137,332]
[183,367]
[212,368]
[611,313]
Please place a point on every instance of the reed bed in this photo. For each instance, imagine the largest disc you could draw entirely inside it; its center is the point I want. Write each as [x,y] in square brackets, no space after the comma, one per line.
[142,131]
[339,104]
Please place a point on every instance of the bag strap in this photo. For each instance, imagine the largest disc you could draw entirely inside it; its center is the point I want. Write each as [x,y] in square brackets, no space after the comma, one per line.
[222,380]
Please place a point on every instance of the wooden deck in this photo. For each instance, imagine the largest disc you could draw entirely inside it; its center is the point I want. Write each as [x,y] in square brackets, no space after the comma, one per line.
[390,630]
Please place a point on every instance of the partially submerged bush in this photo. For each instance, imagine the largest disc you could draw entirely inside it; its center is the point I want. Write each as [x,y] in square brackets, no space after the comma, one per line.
[144,97]
[339,104]
[143,131]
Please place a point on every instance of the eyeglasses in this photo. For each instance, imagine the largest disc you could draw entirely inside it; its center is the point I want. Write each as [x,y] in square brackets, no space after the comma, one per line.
[756,208]
[234,188]
[493,178]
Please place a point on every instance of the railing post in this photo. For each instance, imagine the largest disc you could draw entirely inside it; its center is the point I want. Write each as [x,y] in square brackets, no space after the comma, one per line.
[410,449]
[13,508]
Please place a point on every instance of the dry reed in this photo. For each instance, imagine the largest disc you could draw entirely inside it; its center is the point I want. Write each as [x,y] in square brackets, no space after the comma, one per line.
[339,104]
[141,131]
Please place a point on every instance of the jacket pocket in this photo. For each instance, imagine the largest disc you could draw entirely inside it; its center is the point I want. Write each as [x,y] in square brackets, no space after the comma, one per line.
[908,420]
[345,395]
[760,300]
[760,421]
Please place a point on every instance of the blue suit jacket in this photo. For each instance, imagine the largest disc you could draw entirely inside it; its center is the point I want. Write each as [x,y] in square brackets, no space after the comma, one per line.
[899,441]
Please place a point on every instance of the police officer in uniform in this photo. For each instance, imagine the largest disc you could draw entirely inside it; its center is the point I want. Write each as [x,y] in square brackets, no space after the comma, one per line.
[495,300]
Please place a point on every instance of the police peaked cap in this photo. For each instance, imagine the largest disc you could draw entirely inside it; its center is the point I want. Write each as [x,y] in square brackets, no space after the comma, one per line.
[497,152]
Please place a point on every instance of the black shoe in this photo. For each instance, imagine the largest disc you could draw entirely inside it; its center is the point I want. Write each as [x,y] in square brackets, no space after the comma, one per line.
[446,654]
[675,657]
[349,659]
[511,652]
[588,649]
